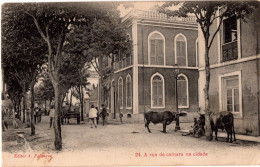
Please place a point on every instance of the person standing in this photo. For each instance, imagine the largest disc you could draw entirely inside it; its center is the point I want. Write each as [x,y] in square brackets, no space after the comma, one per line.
[103,114]
[51,115]
[97,114]
[93,115]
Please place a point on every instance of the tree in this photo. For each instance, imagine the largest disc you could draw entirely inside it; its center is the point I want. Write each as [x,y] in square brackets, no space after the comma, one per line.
[54,21]
[23,53]
[207,13]
[109,39]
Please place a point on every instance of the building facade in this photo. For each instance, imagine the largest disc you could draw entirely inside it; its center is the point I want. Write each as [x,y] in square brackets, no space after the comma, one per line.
[234,68]
[162,47]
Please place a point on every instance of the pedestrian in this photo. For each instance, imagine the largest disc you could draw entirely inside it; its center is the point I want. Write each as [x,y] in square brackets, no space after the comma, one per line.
[121,116]
[15,124]
[97,114]
[93,115]
[4,123]
[51,115]
[103,113]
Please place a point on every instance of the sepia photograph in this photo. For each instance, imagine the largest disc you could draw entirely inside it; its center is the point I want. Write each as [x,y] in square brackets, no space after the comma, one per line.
[130,83]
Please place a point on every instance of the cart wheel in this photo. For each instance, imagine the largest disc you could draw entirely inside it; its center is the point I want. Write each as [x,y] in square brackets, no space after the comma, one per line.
[78,120]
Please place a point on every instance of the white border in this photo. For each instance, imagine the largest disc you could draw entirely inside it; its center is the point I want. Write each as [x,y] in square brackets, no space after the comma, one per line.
[163,105]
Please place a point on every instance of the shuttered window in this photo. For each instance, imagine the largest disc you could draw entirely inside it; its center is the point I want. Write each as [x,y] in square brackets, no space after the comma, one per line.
[120,92]
[181,50]
[156,49]
[128,92]
[231,90]
[157,92]
[182,88]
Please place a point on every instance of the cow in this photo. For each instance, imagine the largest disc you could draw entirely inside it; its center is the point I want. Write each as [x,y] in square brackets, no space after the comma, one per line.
[221,120]
[165,118]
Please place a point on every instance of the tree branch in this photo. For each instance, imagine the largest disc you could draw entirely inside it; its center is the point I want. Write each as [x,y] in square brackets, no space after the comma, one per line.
[211,41]
[95,68]
[38,26]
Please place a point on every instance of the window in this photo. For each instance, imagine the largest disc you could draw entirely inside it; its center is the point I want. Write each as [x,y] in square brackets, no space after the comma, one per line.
[230,29]
[230,36]
[120,92]
[183,91]
[128,92]
[157,88]
[156,48]
[230,94]
[181,50]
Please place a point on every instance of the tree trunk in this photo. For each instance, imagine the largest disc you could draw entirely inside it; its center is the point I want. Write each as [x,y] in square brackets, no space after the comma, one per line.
[206,92]
[32,110]
[57,121]
[81,102]
[70,98]
[24,104]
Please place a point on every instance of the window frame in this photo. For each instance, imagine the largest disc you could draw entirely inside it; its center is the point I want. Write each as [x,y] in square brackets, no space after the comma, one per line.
[175,48]
[187,92]
[131,97]
[121,107]
[149,48]
[222,101]
[220,39]
[163,91]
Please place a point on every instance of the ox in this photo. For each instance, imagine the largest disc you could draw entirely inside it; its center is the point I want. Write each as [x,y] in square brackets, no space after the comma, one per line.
[165,118]
[222,120]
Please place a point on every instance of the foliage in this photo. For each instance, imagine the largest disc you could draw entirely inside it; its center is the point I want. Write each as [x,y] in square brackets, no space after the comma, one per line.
[206,12]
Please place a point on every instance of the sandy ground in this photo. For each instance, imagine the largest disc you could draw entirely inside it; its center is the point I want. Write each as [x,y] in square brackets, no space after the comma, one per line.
[126,144]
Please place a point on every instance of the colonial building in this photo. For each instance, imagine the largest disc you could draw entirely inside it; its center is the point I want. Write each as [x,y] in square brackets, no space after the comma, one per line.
[234,67]
[162,48]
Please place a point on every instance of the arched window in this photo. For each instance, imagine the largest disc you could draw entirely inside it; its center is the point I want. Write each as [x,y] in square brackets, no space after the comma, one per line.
[181,58]
[128,92]
[120,92]
[157,91]
[156,48]
[183,91]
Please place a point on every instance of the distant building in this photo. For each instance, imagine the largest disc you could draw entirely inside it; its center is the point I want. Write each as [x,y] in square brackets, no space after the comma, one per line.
[146,80]
[235,72]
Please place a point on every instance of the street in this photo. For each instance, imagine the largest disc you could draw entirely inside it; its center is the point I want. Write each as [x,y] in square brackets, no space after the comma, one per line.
[131,144]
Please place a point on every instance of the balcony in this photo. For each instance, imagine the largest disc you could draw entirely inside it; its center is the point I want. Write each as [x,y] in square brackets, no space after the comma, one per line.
[123,63]
[229,51]
[158,16]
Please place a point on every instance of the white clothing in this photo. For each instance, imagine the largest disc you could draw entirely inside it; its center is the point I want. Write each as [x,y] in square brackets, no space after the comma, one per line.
[93,113]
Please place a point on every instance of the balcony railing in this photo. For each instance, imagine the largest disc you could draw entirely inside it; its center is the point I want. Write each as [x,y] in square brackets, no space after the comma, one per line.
[229,51]
[125,62]
[159,16]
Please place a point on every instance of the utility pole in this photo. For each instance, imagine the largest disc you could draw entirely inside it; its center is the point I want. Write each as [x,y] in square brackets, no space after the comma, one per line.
[177,127]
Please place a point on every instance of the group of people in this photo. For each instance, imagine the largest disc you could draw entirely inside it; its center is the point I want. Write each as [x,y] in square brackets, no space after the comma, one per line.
[94,115]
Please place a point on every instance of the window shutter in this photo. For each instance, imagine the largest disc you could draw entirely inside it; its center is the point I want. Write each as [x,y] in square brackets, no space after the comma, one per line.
[152,52]
[160,53]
